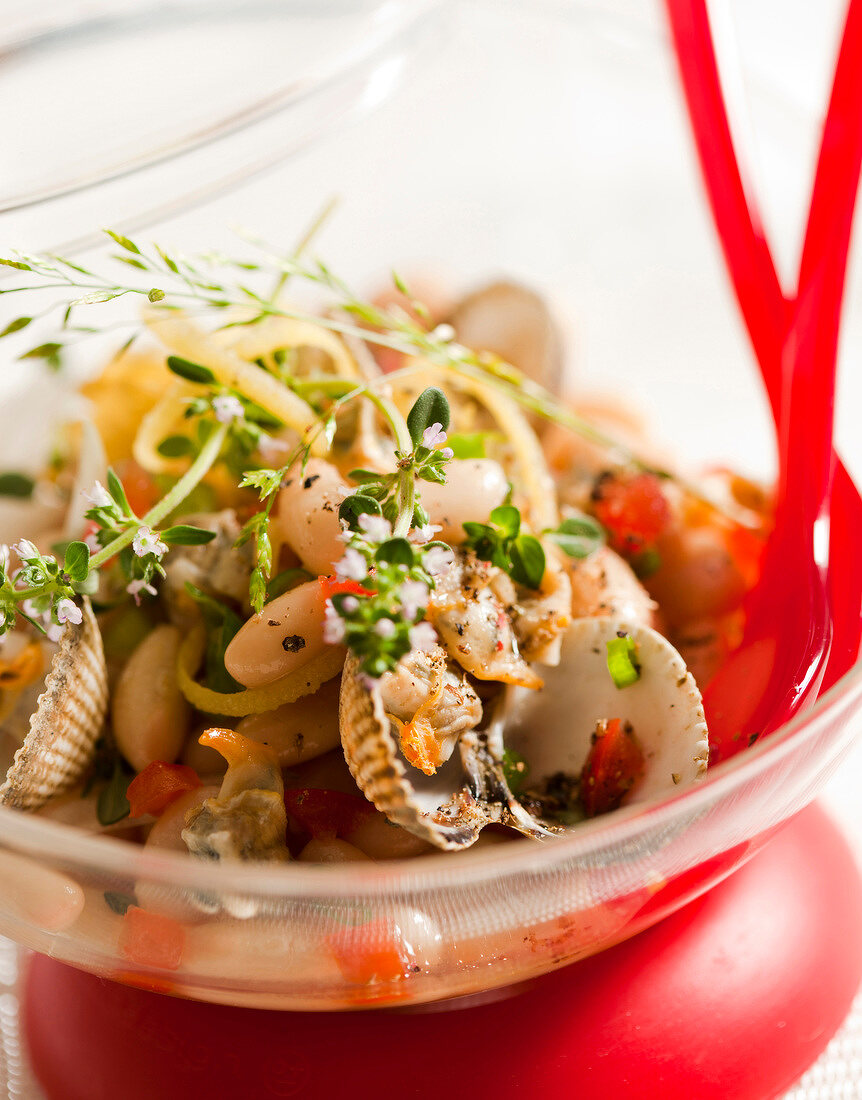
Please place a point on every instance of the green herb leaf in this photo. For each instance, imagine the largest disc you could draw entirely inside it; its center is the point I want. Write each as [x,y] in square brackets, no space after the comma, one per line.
[112,805]
[175,446]
[183,534]
[578,536]
[356,505]
[77,561]
[115,488]
[222,624]
[508,519]
[18,485]
[515,770]
[396,552]
[528,561]
[192,372]
[430,407]
[622,663]
[49,351]
[467,444]
[123,242]
[155,294]
[15,326]
[117,902]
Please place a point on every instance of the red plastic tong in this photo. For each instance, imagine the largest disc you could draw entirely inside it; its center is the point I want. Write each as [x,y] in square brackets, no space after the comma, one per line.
[795,340]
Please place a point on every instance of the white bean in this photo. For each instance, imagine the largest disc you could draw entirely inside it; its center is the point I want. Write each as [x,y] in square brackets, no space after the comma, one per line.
[38,895]
[285,635]
[604,584]
[378,838]
[331,850]
[308,515]
[149,712]
[474,488]
[298,731]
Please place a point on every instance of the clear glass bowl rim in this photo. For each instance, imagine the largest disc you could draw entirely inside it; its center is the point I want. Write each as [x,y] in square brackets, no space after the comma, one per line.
[40,837]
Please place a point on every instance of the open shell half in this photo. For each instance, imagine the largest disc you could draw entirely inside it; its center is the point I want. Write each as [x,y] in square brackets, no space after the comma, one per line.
[552,728]
[67,721]
[448,809]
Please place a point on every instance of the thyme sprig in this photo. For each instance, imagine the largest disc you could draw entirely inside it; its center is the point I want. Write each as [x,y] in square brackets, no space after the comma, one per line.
[180,281]
[43,592]
[382,585]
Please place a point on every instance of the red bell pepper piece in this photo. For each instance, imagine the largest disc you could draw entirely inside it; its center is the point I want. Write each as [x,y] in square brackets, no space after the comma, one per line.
[615,761]
[331,586]
[633,510]
[151,939]
[326,814]
[373,952]
[158,785]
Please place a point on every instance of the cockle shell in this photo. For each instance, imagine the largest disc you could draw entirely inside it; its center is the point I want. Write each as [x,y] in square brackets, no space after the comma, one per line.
[552,728]
[448,809]
[513,322]
[67,721]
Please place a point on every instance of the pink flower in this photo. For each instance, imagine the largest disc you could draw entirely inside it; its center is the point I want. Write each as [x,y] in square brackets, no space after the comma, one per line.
[413,596]
[376,528]
[135,588]
[433,436]
[69,612]
[423,637]
[352,567]
[98,496]
[333,625]
[438,559]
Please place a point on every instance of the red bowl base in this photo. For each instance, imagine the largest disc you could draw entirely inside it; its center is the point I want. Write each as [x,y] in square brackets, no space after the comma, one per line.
[729,999]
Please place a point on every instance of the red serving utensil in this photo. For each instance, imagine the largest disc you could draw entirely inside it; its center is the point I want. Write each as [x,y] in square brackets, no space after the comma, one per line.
[786,650]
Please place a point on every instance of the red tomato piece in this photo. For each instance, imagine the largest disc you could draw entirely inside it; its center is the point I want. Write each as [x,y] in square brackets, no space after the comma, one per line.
[325,813]
[615,761]
[158,785]
[373,952]
[331,586]
[141,491]
[151,939]
[633,510]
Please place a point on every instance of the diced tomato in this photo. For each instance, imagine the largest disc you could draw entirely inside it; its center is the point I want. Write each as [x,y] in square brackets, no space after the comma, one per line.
[373,952]
[151,939]
[331,586]
[325,814]
[158,785]
[615,761]
[633,510]
[141,491]
[746,548]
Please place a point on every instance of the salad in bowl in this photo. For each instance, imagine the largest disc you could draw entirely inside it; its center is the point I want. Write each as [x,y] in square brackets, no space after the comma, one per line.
[352,584]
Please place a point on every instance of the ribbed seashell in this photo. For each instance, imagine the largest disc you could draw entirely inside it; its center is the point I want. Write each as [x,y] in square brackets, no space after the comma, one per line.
[551,729]
[67,721]
[448,809]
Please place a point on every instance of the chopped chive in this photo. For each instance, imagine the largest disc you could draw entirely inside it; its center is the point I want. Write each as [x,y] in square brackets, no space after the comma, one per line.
[622,665]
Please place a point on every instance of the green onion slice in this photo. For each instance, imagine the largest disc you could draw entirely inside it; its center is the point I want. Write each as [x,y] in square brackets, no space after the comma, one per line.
[622,664]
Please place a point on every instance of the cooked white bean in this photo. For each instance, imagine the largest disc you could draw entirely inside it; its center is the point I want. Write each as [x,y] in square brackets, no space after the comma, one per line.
[332,850]
[378,838]
[308,515]
[149,712]
[474,488]
[285,635]
[157,897]
[604,584]
[38,895]
[298,731]
[698,578]
[167,832]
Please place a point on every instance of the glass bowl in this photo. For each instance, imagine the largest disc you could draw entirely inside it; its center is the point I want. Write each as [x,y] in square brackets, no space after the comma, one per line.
[548,143]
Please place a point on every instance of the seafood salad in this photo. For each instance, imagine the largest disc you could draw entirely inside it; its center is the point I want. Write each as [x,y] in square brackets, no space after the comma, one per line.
[352,585]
